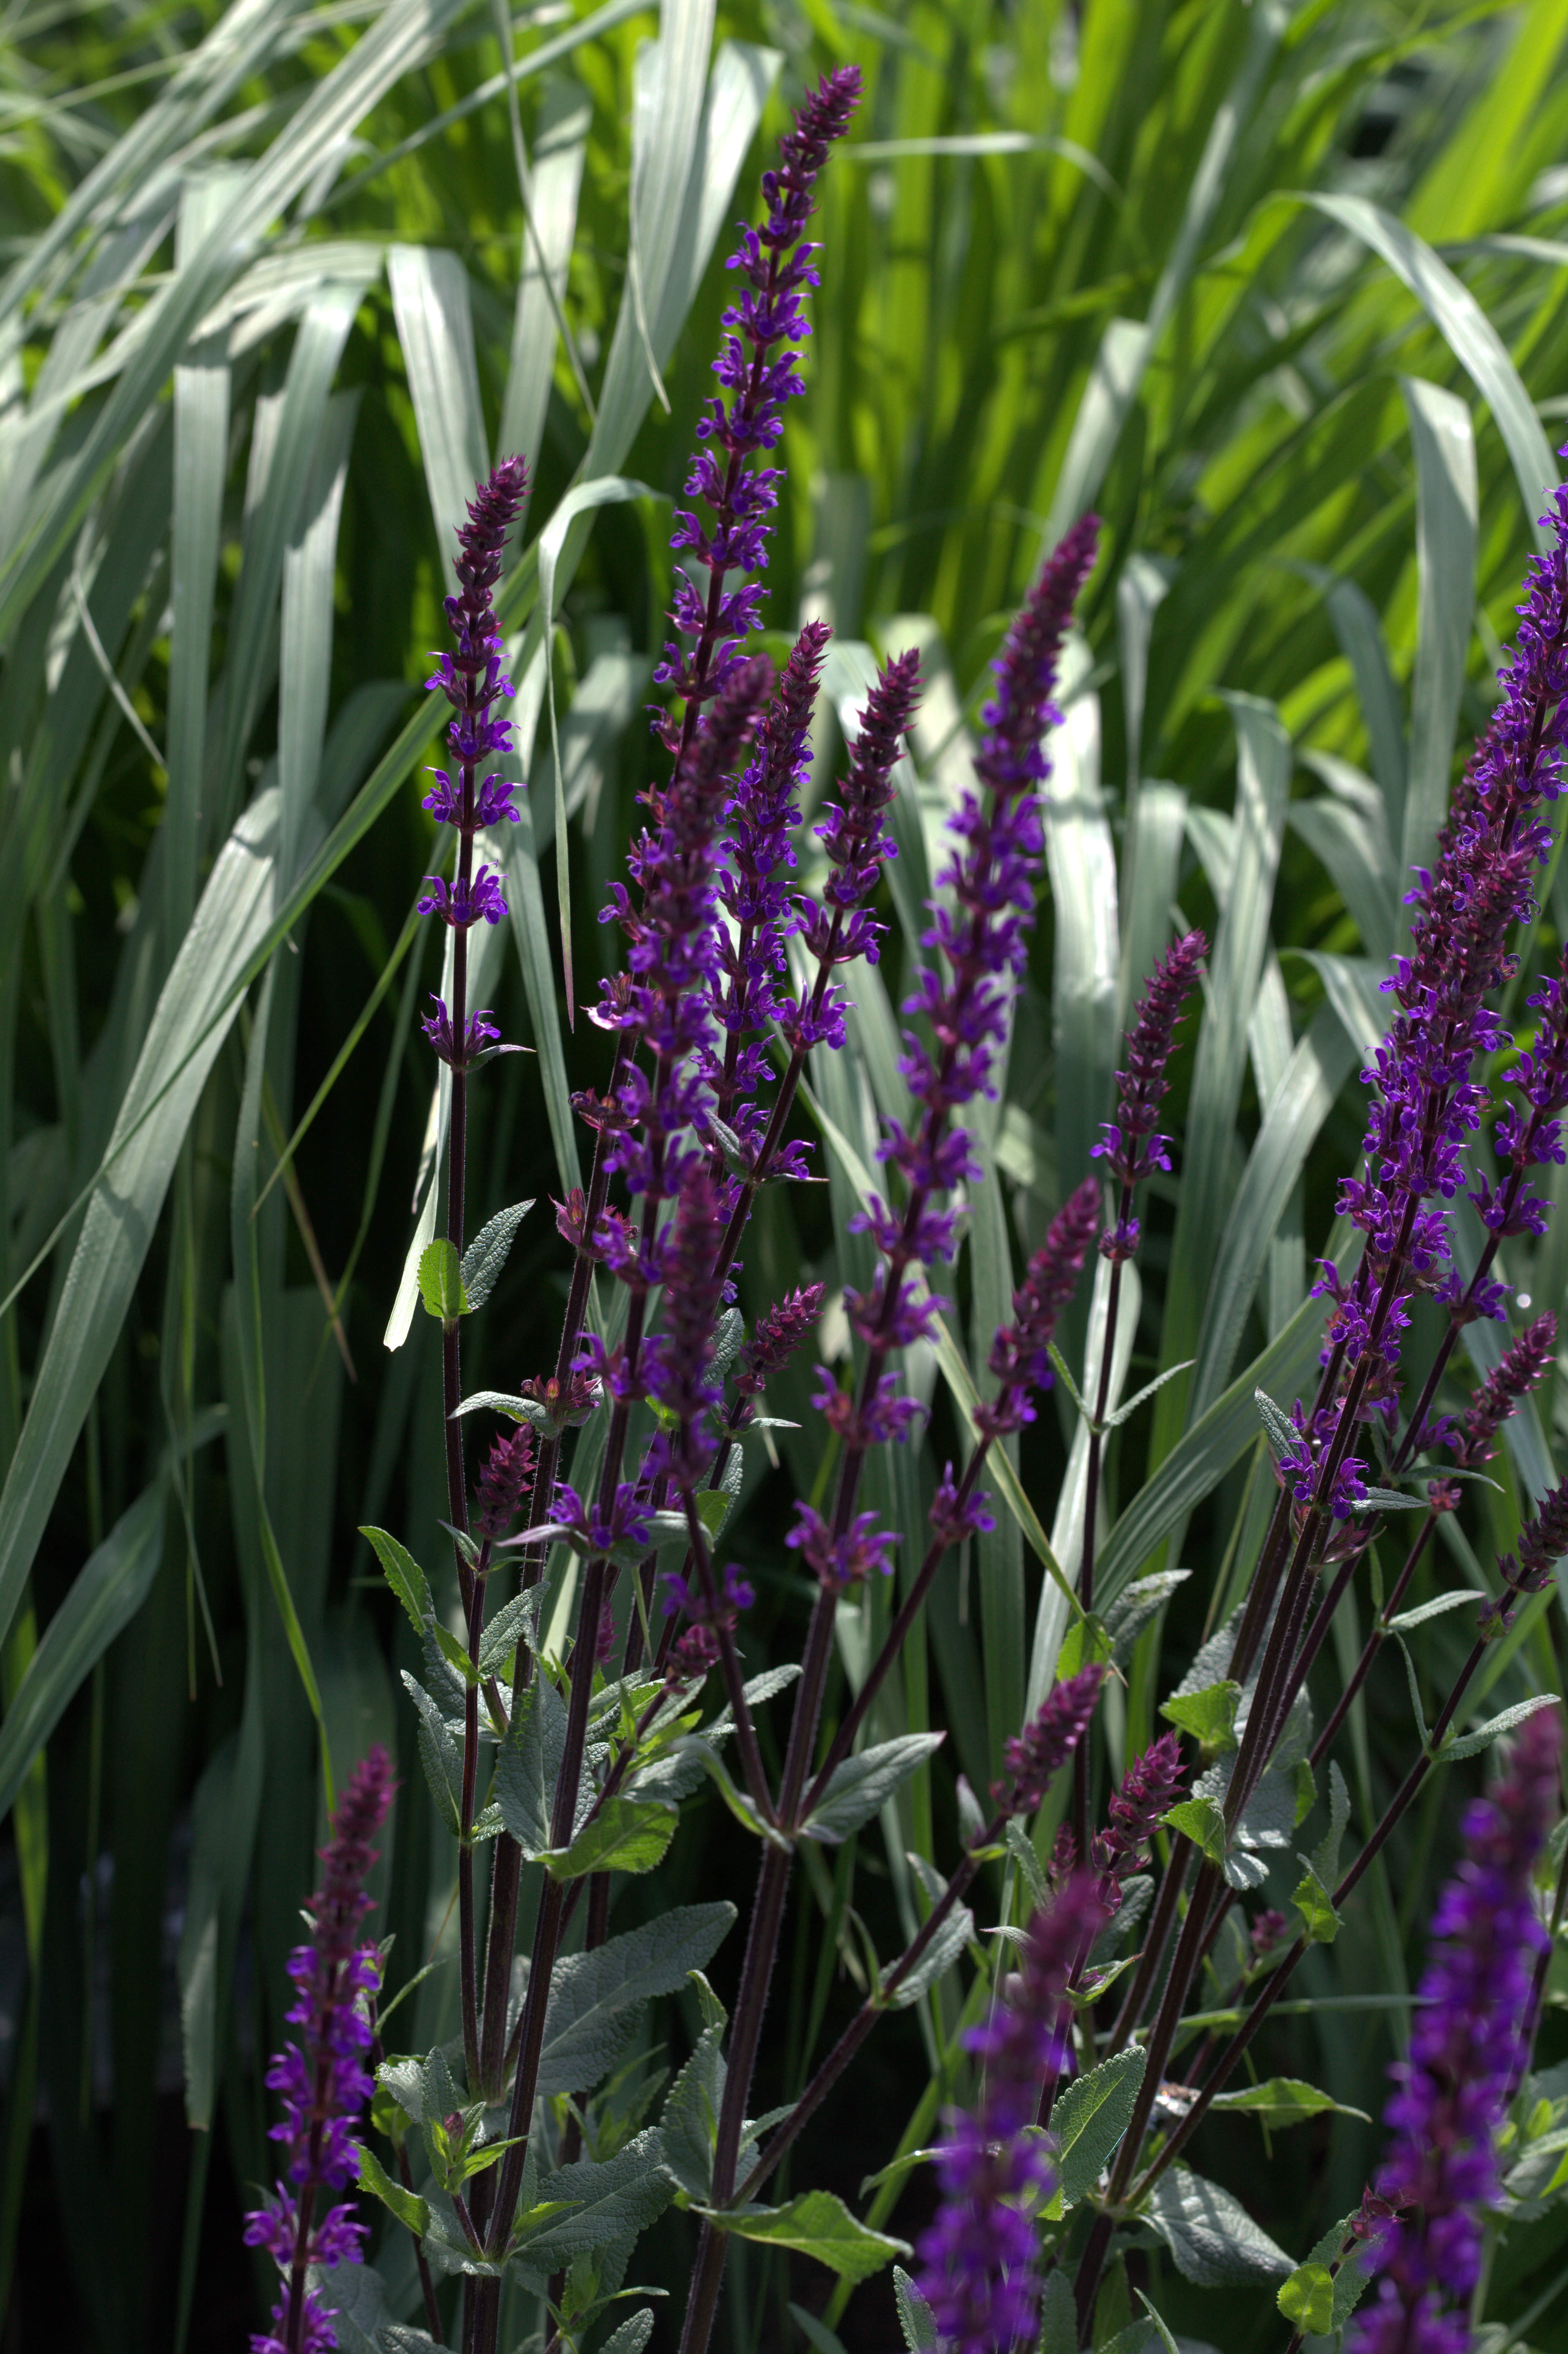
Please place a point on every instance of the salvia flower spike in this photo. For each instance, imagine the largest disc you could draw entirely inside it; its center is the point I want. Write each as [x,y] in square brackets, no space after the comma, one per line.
[322,2080]
[1441,2171]
[1130,1146]
[978,2262]
[758,368]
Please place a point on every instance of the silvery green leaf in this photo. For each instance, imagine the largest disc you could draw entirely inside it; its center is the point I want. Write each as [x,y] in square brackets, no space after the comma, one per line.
[518,1409]
[1114,1421]
[859,1786]
[440,1754]
[355,2296]
[916,2319]
[594,1997]
[512,1622]
[607,2202]
[529,1764]
[729,1334]
[1020,1847]
[633,2335]
[1213,2240]
[935,1961]
[1136,1894]
[486,1255]
[1471,1744]
[1432,1609]
[1283,1436]
[1389,1500]
[1136,1605]
[690,2120]
[1089,2117]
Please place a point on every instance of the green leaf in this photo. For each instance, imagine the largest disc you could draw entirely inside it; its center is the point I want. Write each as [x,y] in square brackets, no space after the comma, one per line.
[1135,1606]
[1058,2315]
[440,1281]
[103,1598]
[1471,1744]
[820,2226]
[1439,1604]
[1213,2240]
[1286,2101]
[689,2123]
[938,1959]
[626,1835]
[1201,1821]
[1354,2272]
[1209,1716]
[594,1997]
[413,2212]
[441,1754]
[816,2333]
[486,1256]
[529,1763]
[1089,2117]
[916,2319]
[602,2203]
[1086,1643]
[1020,1847]
[861,1785]
[404,1575]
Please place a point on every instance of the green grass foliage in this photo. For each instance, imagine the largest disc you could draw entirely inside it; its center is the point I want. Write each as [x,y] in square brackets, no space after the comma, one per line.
[1282,290]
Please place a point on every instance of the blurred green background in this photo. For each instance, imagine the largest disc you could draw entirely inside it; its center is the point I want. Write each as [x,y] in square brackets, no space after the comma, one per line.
[1283,290]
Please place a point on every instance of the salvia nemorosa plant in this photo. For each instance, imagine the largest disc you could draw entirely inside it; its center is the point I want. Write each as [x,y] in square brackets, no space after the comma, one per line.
[598,1668]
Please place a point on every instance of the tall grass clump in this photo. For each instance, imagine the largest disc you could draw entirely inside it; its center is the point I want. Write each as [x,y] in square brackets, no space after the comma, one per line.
[783,1183]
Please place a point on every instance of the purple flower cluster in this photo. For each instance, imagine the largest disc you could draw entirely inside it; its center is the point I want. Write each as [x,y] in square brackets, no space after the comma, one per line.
[1515,1375]
[678,1375]
[845,1557]
[508,1470]
[753,893]
[1047,1741]
[757,365]
[978,2270]
[1526,1140]
[852,833]
[981,938]
[1454,2086]
[1131,1147]
[472,681]
[1149,1788]
[778,1334]
[1428,1098]
[1020,1354]
[325,2084]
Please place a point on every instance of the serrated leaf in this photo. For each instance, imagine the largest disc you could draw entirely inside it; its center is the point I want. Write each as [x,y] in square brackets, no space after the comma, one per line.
[1201,1821]
[1355,2269]
[1286,2101]
[689,2123]
[1283,1436]
[517,1409]
[1089,2118]
[486,1255]
[1020,1847]
[440,1281]
[1213,2240]
[1126,1616]
[606,2203]
[1432,1609]
[1114,1421]
[511,1624]
[440,1754]
[355,2296]
[936,1960]
[1086,1643]
[404,1575]
[861,1785]
[1058,2315]
[633,2335]
[1209,1716]
[1471,1744]
[528,1765]
[594,1997]
[626,1835]
[820,2226]
[411,2212]
[1306,2300]
[916,2319]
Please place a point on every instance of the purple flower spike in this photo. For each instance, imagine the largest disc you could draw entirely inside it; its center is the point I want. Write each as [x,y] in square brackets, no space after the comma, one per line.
[678,1375]
[1542,1544]
[479,1031]
[977,2268]
[1148,1787]
[1132,1146]
[759,369]
[472,679]
[1517,1372]
[325,2084]
[779,1333]
[1047,1741]
[507,1472]
[1466,2053]
[1018,1354]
